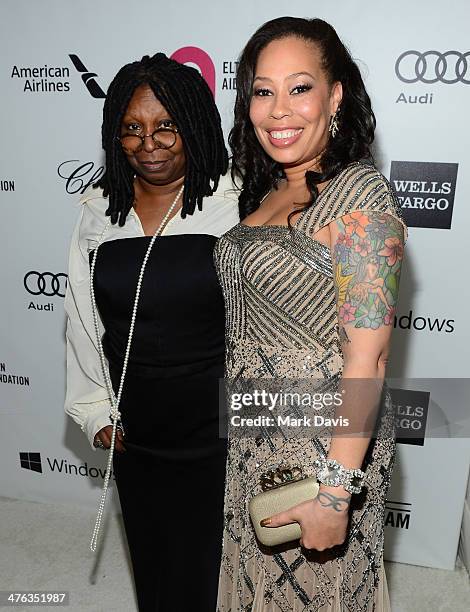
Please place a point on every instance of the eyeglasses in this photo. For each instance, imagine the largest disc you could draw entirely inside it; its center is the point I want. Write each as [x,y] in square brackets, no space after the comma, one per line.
[163,138]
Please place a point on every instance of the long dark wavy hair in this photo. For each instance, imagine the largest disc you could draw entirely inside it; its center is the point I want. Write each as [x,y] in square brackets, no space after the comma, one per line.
[252,169]
[190,103]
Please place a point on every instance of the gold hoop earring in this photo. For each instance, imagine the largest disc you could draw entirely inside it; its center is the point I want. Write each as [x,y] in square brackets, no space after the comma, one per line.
[333,128]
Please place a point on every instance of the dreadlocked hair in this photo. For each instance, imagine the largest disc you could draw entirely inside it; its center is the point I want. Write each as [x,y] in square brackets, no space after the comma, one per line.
[190,103]
[251,165]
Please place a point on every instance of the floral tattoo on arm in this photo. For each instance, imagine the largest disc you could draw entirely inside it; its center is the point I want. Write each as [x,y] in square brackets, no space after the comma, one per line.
[367,258]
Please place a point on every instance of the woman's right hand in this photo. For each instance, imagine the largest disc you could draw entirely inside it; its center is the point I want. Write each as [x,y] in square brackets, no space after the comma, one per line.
[105,435]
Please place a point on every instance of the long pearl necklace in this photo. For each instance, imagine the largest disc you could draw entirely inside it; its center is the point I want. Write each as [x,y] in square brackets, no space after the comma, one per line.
[115,401]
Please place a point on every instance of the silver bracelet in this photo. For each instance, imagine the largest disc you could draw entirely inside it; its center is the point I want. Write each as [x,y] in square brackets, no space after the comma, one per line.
[333,474]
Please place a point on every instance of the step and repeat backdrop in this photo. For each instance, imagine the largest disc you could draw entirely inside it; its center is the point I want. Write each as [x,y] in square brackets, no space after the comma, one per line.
[56,62]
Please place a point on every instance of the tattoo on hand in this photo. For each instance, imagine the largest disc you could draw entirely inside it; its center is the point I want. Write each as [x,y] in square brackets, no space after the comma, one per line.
[367,259]
[328,500]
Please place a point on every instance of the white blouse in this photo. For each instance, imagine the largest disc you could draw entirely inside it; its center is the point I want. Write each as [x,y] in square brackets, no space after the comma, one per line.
[87,400]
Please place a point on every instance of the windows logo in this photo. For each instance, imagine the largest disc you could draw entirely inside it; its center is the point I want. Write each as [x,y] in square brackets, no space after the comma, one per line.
[31,461]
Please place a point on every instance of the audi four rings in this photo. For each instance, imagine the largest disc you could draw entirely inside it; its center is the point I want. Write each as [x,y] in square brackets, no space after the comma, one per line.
[433,67]
[45,283]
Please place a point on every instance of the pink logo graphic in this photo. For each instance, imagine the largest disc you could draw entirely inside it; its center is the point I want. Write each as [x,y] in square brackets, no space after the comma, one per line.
[195,55]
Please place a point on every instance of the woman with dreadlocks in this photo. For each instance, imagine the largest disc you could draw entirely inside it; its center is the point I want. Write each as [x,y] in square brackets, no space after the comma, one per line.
[145,327]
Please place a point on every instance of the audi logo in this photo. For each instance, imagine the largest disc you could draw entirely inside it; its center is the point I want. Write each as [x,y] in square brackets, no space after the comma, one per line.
[433,66]
[45,283]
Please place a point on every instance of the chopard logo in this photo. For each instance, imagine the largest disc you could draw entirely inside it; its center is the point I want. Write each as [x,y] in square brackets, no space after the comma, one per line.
[78,175]
[433,66]
[45,283]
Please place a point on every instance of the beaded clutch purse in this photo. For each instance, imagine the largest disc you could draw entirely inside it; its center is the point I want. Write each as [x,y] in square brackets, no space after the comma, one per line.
[283,487]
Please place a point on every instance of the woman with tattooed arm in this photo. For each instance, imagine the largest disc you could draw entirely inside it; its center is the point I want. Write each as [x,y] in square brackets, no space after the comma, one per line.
[310,280]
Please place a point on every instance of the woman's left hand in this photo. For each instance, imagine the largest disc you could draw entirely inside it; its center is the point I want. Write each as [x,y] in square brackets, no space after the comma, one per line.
[323,520]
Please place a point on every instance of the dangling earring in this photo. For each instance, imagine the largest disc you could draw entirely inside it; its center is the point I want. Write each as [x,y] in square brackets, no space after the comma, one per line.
[334,126]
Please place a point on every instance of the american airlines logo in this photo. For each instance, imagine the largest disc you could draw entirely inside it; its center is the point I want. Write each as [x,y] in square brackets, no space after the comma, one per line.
[88,77]
[46,78]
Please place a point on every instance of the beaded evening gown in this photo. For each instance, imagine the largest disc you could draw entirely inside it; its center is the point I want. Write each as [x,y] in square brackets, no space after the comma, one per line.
[281,322]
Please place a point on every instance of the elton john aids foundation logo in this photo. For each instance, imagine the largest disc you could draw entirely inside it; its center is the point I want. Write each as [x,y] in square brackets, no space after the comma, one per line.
[197,56]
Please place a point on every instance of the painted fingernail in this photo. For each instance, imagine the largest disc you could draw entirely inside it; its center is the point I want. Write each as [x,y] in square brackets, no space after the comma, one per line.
[265,522]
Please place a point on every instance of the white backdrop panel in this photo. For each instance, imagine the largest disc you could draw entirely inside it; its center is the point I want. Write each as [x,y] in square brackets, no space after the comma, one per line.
[43,131]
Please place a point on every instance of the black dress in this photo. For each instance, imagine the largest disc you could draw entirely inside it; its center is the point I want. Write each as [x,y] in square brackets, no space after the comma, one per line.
[171,478]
